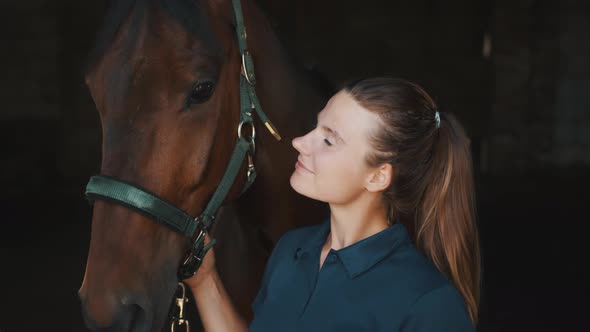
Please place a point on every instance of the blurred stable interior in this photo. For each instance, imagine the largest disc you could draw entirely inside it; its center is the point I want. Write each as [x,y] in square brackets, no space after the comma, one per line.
[516,73]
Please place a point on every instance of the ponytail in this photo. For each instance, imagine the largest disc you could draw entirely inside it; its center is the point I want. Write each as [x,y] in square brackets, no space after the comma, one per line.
[445,220]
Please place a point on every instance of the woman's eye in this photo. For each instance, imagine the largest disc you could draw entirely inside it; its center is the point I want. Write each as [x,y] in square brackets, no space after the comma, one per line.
[328,143]
[201,92]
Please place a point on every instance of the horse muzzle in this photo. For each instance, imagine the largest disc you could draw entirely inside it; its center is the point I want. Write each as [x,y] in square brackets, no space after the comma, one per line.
[116,314]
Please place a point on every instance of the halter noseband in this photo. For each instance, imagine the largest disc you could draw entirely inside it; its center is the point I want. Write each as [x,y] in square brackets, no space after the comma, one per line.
[118,191]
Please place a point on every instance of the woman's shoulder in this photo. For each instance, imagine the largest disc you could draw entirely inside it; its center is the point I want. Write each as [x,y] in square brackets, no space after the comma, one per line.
[417,276]
[411,284]
[433,303]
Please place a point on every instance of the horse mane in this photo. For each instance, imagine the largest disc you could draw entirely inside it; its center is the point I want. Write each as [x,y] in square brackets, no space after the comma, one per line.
[188,13]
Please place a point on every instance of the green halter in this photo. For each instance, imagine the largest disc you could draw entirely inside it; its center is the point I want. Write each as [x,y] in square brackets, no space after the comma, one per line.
[118,191]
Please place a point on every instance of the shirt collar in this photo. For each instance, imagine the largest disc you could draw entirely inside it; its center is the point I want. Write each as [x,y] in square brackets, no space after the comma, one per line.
[313,244]
[362,255]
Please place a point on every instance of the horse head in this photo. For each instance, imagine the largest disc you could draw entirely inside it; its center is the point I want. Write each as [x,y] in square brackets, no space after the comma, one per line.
[164,78]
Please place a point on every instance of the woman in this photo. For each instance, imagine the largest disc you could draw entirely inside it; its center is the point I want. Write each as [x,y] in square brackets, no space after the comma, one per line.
[382,157]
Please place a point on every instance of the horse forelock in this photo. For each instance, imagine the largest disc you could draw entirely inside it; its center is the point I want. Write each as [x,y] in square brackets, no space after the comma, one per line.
[117,14]
[189,14]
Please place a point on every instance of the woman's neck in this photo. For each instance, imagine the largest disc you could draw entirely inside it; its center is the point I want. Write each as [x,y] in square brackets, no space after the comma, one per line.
[356,221]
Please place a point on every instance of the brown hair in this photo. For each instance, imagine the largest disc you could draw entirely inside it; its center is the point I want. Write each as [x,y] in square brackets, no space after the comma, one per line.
[432,190]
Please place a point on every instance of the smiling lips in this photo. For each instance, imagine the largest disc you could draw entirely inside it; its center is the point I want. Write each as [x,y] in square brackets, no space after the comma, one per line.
[299,164]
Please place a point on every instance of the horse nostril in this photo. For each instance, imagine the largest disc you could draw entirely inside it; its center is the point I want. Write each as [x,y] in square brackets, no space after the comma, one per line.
[86,316]
[131,317]
[90,323]
[127,316]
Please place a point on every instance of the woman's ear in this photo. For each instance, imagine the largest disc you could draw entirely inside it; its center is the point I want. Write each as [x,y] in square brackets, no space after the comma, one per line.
[380,178]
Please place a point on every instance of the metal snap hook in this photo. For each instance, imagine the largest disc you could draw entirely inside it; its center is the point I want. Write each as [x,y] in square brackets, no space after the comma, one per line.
[251,168]
[180,302]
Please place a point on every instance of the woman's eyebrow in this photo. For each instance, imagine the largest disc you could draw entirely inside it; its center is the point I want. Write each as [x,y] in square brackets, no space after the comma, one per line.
[332,131]
[329,130]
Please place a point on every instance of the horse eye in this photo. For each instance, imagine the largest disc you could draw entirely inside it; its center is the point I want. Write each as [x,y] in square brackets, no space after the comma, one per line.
[201,92]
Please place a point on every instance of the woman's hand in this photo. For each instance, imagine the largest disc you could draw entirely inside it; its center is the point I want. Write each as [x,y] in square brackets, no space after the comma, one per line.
[215,307]
[206,270]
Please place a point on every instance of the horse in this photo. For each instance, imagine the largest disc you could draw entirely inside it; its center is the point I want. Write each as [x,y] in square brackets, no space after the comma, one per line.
[165,77]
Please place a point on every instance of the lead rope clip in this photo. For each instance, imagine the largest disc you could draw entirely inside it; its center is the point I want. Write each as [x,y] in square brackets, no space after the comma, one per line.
[180,321]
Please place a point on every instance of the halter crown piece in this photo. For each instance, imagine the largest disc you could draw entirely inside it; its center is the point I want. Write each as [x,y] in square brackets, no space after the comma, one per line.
[437,118]
[119,191]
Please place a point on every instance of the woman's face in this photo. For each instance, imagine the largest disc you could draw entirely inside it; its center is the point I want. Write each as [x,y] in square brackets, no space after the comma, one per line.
[331,166]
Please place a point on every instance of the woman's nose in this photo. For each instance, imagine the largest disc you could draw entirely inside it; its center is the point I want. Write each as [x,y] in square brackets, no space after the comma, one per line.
[296,142]
[299,143]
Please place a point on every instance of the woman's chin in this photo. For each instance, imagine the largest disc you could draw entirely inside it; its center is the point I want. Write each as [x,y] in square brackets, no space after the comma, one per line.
[302,187]
[293,181]
[296,184]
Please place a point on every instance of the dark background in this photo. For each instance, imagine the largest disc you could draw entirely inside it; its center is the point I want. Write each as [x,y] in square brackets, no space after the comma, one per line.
[515,72]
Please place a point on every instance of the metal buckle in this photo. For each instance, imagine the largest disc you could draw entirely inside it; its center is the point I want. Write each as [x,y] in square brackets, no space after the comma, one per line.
[194,258]
[180,302]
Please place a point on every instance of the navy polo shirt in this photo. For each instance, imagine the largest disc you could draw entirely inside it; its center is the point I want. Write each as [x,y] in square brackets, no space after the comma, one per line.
[381,283]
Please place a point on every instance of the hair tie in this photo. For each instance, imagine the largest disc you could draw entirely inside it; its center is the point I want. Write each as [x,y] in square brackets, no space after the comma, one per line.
[437,118]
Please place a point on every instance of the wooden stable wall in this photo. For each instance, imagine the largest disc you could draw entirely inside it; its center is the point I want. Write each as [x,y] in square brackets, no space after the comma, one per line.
[49,129]
[540,111]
